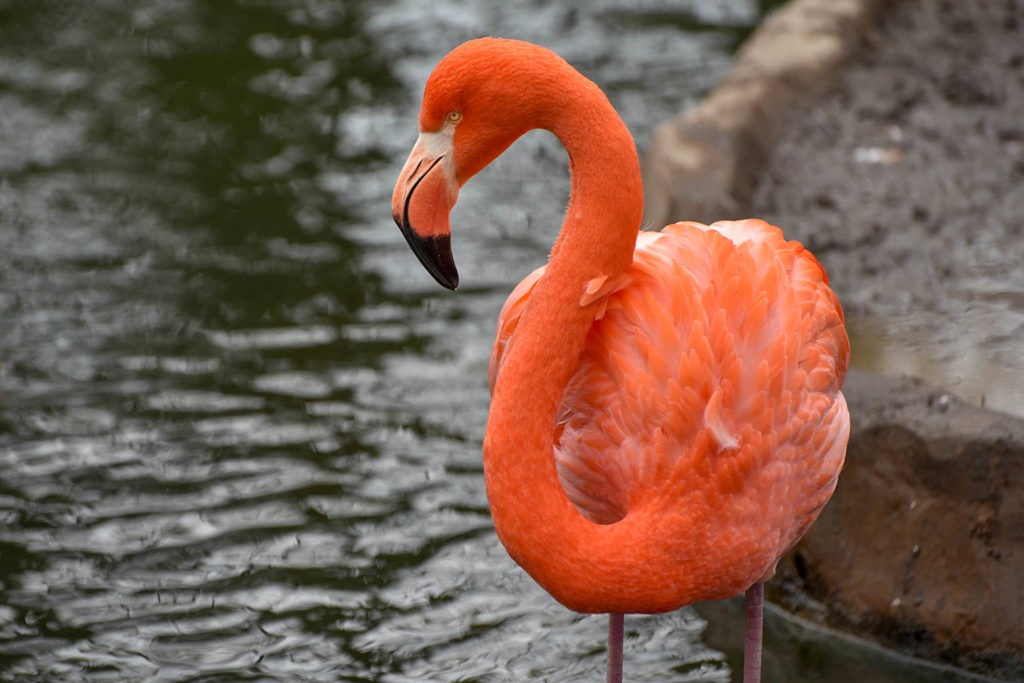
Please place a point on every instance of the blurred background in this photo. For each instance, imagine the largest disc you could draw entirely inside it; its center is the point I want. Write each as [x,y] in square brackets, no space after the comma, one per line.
[240,426]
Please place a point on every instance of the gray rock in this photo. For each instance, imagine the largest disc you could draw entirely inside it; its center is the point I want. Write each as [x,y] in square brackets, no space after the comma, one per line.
[922,545]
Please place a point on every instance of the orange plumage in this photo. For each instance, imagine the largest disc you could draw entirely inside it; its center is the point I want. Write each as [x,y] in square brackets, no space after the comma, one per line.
[666,418]
[708,390]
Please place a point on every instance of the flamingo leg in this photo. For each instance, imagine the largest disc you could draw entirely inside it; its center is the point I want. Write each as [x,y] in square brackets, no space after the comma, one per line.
[754,601]
[615,629]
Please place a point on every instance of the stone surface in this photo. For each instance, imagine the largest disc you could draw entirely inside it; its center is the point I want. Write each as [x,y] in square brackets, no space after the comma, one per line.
[896,154]
[704,164]
[907,180]
[922,546]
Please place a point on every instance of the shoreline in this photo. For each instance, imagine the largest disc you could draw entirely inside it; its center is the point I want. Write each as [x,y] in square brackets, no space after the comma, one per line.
[882,135]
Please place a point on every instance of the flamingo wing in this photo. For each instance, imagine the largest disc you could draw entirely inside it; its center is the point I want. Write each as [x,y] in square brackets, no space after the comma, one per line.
[713,371]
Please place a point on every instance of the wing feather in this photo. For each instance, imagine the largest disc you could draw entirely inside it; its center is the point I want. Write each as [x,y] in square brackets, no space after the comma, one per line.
[718,355]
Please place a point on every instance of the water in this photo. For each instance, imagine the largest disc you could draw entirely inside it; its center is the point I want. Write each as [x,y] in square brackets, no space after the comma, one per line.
[240,427]
[972,350]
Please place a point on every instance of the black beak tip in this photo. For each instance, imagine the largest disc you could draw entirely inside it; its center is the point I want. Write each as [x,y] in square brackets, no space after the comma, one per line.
[435,253]
[446,274]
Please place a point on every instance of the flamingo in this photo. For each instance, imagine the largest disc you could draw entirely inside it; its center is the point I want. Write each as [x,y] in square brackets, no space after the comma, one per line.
[666,414]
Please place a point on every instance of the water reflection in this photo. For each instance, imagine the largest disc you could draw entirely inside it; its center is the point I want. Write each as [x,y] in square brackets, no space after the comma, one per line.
[240,429]
[975,354]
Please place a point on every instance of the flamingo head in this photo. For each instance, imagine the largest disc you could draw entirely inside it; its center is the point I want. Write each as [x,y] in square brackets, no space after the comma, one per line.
[478,100]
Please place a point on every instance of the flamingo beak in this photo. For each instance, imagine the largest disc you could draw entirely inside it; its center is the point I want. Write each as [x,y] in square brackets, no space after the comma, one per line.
[422,201]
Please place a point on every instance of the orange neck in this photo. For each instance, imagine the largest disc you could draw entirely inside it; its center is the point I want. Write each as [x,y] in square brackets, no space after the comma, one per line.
[532,514]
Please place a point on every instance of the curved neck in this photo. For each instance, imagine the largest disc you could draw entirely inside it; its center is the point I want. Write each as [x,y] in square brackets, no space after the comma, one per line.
[532,514]
[606,194]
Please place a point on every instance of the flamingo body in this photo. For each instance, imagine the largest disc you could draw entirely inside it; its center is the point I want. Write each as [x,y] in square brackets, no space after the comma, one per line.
[666,416]
[707,395]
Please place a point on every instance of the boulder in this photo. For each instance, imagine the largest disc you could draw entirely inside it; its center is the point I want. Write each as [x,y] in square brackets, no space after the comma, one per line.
[704,164]
[922,546]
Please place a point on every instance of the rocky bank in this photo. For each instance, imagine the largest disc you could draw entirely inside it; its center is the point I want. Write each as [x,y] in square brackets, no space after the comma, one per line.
[889,138]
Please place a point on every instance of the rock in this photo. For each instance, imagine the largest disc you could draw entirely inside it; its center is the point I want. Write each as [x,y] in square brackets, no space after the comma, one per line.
[704,164]
[922,546]
[904,177]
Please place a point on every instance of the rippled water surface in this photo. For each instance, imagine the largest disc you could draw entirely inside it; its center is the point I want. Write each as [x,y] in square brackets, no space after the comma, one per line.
[240,427]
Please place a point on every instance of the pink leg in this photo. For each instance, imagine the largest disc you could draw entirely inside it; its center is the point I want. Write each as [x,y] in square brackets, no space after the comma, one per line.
[615,647]
[754,601]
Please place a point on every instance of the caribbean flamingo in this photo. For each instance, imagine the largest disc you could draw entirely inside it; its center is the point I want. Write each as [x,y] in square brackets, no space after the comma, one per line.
[666,417]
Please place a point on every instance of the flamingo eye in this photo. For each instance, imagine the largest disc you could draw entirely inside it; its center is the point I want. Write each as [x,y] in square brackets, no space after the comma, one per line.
[454,116]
